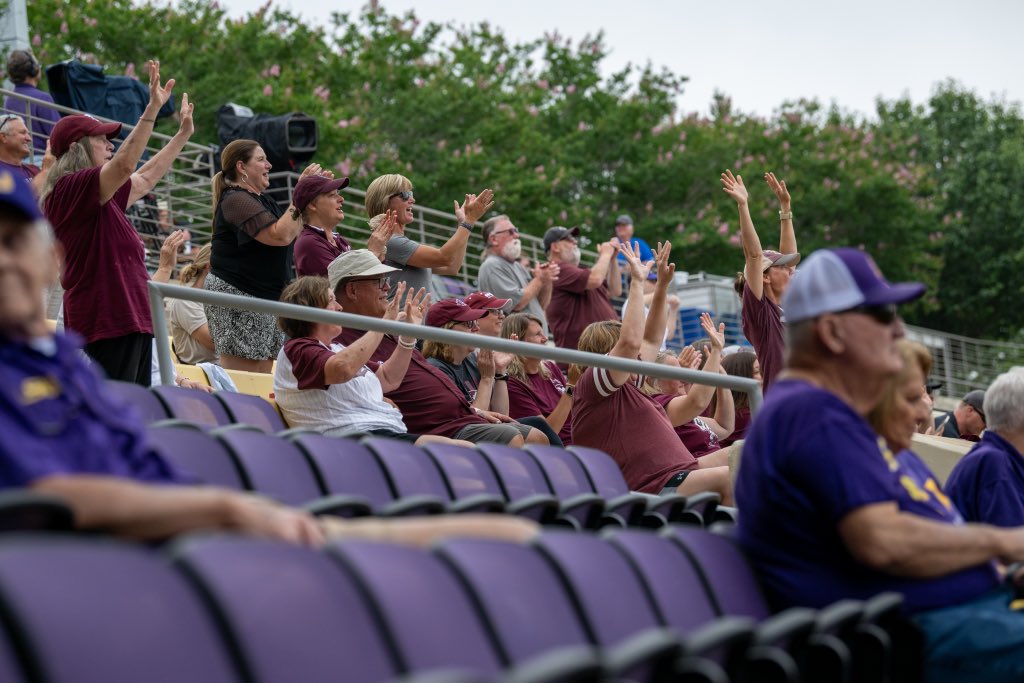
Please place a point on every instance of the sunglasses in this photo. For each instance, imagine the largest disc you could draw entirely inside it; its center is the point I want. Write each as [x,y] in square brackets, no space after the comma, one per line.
[7,118]
[406,195]
[382,282]
[470,324]
[885,314]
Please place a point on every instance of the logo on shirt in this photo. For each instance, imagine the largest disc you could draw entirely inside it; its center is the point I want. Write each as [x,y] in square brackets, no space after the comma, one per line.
[35,389]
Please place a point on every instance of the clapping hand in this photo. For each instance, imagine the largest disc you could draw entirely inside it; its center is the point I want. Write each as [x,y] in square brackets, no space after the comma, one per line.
[689,358]
[378,241]
[393,310]
[716,336]
[416,306]
[474,206]
[734,187]
[169,249]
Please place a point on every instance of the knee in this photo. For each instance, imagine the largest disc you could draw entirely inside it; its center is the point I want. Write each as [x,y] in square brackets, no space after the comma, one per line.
[537,436]
[517,441]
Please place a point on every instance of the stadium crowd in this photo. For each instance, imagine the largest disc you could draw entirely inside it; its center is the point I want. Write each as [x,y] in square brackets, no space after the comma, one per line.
[833,502]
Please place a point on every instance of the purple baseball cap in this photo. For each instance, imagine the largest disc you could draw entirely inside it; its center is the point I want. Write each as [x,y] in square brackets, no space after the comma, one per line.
[834,280]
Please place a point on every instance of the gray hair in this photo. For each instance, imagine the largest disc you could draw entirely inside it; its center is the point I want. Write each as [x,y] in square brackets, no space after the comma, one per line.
[7,119]
[1004,402]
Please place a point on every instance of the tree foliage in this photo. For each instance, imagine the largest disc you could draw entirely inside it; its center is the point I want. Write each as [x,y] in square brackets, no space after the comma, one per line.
[928,190]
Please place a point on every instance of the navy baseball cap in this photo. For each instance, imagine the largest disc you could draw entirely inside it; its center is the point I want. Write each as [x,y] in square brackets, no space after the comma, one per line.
[835,280]
[16,194]
[557,234]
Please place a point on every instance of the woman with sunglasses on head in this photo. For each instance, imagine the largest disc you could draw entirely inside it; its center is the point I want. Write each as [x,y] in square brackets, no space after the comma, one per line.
[417,262]
[251,256]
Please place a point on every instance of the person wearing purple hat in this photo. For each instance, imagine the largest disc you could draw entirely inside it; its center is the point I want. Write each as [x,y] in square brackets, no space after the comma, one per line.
[828,512]
[765,275]
[319,200]
[84,196]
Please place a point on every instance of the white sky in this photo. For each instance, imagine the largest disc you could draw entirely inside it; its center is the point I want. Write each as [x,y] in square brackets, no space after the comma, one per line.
[763,53]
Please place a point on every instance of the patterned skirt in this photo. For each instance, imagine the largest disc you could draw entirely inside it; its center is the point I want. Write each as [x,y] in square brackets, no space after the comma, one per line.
[245,334]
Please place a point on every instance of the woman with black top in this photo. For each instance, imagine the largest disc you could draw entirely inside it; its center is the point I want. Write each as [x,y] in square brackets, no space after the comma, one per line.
[252,255]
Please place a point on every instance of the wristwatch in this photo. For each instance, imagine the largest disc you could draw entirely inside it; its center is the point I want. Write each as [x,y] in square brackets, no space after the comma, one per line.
[568,389]
[500,376]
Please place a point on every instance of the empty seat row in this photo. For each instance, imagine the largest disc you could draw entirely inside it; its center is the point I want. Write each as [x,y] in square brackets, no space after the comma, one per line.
[205,410]
[631,605]
[578,487]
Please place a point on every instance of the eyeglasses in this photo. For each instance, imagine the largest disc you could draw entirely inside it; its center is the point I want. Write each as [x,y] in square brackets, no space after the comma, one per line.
[470,324]
[382,282]
[884,314]
[496,312]
[406,195]
[514,231]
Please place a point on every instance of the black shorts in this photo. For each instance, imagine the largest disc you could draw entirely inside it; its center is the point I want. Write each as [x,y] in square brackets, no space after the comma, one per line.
[675,482]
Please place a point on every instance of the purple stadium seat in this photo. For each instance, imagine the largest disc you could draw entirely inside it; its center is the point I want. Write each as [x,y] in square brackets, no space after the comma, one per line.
[26,510]
[251,410]
[414,473]
[467,472]
[96,610]
[572,486]
[195,452]
[193,406]
[10,670]
[523,479]
[271,466]
[291,612]
[431,619]
[345,467]
[150,407]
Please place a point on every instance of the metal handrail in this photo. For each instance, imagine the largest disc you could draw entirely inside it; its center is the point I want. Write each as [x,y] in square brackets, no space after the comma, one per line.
[158,291]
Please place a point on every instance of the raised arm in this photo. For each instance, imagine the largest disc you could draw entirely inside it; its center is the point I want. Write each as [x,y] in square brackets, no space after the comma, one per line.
[631,334]
[787,236]
[284,231]
[146,178]
[120,168]
[599,273]
[682,409]
[392,371]
[752,251]
[654,330]
[447,260]
[169,255]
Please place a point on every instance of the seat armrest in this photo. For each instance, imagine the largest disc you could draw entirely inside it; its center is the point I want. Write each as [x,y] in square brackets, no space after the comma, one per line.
[654,652]
[413,506]
[563,665]
[478,503]
[340,505]
[541,508]
[586,508]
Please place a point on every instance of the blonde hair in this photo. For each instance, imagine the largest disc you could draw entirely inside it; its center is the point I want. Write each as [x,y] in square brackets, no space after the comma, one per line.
[235,151]
[77,158]
[440,350]
[192,271]
[599,337]
[517,324]
[381,190]
[915,357]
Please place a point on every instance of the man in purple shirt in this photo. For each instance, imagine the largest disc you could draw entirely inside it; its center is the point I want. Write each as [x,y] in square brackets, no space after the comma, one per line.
[987,484]
[765,275]
[25,72]
[828,513]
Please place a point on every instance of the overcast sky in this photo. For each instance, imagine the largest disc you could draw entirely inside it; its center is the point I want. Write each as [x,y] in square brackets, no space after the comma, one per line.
[763,53]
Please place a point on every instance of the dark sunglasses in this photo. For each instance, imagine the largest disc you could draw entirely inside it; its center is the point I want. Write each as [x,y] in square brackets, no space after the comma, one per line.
[7,118]
[884,314]
[406,195]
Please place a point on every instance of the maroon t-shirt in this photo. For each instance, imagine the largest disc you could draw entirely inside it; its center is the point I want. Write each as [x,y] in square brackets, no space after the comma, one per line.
[430,402]
[309,361]
[105,261]
[539,396]
[630,426]
[695,434]
[762,326]
[315,249]
[742,425]
[573,306]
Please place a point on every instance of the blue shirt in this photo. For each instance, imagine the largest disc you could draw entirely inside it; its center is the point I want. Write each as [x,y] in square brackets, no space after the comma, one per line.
[808,461]
[56,417]
[639,245]
[987,484]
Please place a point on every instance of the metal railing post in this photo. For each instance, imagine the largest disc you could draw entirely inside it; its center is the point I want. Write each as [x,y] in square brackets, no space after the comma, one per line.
[160,334]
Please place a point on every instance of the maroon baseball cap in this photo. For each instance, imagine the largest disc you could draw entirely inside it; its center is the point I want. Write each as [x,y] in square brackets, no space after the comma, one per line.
[312,186]
[485,300]
[73,128]
[452,310]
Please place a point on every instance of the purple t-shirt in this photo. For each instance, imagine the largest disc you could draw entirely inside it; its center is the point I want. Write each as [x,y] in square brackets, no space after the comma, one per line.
[808,461]
[696,435]
[105,272]
[540,396]
[27,171]
[58,417]
[987,485]
[627,424]
[38,117]
[430,402]
[315,249]
[573,306]
[762,326]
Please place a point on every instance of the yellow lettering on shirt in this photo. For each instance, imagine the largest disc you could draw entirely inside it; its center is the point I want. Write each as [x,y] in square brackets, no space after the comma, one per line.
[939,495]
[35,389]
[914,490]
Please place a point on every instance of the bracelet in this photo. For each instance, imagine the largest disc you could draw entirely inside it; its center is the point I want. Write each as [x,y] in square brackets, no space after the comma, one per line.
[150,120]
[500,376]
[467,225]
[785,215]
[407,345]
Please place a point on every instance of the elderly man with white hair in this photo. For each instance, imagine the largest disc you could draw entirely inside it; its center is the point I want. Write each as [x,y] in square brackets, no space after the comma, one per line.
[987,484]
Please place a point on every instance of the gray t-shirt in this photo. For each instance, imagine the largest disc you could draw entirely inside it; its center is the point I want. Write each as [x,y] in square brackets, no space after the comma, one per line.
[506,280]
[400,250]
